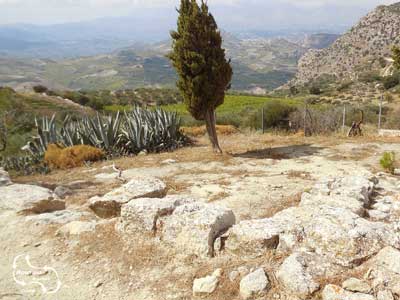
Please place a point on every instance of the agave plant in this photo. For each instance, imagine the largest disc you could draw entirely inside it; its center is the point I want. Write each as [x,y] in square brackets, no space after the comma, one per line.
[46,134]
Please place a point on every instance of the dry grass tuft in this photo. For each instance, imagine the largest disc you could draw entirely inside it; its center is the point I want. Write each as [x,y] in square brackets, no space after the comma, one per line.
[200,131]
[71,157]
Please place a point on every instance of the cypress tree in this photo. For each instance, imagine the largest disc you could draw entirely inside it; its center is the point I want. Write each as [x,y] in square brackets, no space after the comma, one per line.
[396,57]
[199,59]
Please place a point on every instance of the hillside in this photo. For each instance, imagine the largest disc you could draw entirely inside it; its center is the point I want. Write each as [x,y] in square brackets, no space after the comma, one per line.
[363,50]
[259,63]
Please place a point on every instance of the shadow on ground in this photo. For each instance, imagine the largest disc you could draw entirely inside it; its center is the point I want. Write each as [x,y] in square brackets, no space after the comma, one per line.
[286,152]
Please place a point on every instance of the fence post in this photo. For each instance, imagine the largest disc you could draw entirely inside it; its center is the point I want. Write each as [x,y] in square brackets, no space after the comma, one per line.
[344,117]
[262,121]
[380,113]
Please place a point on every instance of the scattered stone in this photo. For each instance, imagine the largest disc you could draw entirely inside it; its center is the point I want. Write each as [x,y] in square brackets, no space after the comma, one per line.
[168,162]
[333,292]
[4,178]
[234,275]
[62,192]
[396,172]
[29,199]
[206,285]
[98,284]
[109,205]
[76,228]
[356,285]
[294,276]
[254,284]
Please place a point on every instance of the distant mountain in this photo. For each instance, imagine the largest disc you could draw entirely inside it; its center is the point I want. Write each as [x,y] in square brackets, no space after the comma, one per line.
[259,63]
[364,49]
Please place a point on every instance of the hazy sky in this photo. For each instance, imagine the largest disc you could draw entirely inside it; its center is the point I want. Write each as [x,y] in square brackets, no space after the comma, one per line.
[233,13]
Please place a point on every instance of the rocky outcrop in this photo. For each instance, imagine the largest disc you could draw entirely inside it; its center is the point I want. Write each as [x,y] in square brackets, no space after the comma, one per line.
[109,205]
[362,49]
[29,199]
[333,292]
[187,225]
[206,285]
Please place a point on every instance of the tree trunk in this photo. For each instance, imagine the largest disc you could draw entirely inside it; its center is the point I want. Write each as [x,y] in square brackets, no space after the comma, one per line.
[212,131]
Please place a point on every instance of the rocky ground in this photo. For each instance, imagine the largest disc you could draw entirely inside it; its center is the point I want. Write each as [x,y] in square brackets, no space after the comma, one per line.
[273,218]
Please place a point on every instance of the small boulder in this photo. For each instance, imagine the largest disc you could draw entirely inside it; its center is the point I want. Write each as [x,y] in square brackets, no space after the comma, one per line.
[384,295]
[76,228]
[254,284]
[333,292]
[356,285]
[206,285]
[4,178]
[109,205]
[294,276]
[389,258]
[29,199]
[62,192]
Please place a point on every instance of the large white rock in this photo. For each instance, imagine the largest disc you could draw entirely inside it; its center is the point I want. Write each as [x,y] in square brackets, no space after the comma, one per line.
[333,292]
[109,205]
[143,215]
[389,258]
[194,227]
[29,199]
[206,285]
[254,284]
[295,278]
[4,178]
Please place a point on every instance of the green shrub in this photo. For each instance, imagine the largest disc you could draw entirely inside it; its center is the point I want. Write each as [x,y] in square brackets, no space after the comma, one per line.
[387,161]
[391,81]
[315,90]
[40,89]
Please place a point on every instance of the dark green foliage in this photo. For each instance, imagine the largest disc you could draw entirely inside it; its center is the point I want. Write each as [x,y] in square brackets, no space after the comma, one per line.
[40,89]
[396,57]
[197,55]
[391,81]
[315,90]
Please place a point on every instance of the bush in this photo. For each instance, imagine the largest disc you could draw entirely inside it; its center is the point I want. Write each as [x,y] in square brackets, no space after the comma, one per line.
[391,81]
[40,89]
[71,157]
[387,161]
[315,90]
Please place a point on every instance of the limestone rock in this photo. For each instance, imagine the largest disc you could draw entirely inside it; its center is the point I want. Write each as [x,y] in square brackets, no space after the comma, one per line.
[76,228]
[62,192]
[142,215]
[294,276]
[356,285]
[254,284]
[29,199]
[205,285]
[333,292]
[109,205]
[57,217]
[389,258]
[384,295]
[194,227]
[252,238]
[4,178]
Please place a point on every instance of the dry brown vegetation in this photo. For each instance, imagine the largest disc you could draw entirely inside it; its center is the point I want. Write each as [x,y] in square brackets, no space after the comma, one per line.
[201,130]
[71,157]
